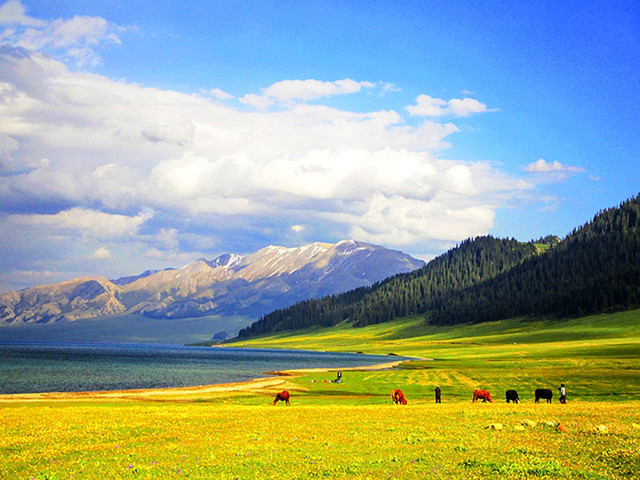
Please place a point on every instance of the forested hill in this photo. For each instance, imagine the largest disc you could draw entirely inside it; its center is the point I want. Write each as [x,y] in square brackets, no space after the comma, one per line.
[595,268]
[412,293]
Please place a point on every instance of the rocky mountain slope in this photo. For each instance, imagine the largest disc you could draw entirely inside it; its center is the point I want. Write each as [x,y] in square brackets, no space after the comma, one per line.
[251,285]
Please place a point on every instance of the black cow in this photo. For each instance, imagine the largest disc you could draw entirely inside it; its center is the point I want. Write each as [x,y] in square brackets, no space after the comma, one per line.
[544,393]
[512,396]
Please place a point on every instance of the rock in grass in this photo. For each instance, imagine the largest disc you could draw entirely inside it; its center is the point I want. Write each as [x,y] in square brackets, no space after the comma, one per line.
[601,429]
[494,426]
[519,428]
[528,423]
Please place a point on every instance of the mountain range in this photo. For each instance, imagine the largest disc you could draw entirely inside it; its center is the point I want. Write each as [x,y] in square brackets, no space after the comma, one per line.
[252,285]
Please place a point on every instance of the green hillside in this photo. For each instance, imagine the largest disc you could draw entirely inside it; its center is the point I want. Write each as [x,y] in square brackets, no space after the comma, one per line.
[596,268]
[597,356]
[406,294]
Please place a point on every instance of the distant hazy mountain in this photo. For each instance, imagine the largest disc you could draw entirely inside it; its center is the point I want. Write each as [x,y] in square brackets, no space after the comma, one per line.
[251,285]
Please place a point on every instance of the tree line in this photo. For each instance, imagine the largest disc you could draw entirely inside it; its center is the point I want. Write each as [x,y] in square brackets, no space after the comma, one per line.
[595,268]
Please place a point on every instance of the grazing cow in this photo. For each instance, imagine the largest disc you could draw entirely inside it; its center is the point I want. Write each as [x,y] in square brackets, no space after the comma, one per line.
[283,396]
[544,393]
[398,397]
[512,396]
[482,394]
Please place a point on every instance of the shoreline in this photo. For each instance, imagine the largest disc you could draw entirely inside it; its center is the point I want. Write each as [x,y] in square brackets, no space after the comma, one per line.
[268,385]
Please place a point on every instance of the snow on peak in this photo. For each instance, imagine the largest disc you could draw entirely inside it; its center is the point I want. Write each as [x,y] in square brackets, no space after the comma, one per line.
[227,260]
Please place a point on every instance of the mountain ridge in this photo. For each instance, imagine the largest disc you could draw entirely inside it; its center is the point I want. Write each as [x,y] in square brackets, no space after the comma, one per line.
[230,284]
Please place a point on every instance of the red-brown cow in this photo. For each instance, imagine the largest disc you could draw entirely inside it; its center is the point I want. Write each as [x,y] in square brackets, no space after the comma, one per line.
[282,396]
[483,395]
[398,397]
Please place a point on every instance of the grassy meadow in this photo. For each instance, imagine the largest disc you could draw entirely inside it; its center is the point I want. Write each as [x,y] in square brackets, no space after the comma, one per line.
[352,430]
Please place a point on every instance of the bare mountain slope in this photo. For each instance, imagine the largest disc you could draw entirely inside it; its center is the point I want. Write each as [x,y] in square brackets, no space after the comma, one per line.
[253,285]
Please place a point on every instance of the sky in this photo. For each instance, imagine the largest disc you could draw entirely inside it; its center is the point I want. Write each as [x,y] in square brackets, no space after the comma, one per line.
[144,135]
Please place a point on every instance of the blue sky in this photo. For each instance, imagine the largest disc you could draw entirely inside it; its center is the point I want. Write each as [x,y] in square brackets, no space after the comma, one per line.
[140,135]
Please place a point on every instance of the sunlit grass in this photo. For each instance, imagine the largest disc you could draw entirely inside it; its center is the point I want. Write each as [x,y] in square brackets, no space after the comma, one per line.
[351,429]
[302,441]
[597,357]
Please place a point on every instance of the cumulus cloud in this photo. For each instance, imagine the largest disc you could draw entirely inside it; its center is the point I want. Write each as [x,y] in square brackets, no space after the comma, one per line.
[404,222]
[542,166]
[552,171]
[75,38]
[90,162]
[289,91]
[220,94]
[101,253]
[180,133]
[83,221]
[427,106]
[14,13]
[257,101]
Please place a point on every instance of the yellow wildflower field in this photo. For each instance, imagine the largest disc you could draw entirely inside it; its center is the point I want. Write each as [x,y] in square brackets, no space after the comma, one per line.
[351,430]
[208,439]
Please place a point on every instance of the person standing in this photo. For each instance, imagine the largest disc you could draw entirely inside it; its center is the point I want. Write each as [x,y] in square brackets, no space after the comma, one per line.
[438,394]
[563,393]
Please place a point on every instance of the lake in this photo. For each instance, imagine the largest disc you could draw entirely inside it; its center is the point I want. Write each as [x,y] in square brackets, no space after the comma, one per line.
[27,367]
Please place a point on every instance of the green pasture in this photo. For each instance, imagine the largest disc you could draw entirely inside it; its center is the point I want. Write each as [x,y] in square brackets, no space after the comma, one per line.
[352,430]
[597,357]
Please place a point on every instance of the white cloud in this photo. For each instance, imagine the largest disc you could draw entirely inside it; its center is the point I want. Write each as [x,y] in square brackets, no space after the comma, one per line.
[542,166]
[463,107]
[220,94]
[258,101]
[156,172]
[83,221]
[14,13]
[404,222]
[387,87]
[180,133]
[427,106]
[288,92]
[552,171]
[305,90]
[75,39]
[101,253]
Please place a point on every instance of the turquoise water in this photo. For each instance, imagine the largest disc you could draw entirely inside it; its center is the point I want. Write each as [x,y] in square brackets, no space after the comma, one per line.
[65,367]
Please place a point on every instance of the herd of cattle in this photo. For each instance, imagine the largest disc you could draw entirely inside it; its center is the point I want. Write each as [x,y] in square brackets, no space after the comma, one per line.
[512,395]
[397,396]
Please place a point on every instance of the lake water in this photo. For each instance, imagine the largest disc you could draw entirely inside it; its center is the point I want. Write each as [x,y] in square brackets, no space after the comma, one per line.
[69,367]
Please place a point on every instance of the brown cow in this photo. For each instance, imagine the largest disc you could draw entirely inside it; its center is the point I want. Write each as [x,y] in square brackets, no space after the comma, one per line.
[482,394]
[283,396]
[398,397]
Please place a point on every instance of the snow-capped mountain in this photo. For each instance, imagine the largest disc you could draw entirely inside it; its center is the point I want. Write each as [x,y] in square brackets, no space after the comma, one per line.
[251,285]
